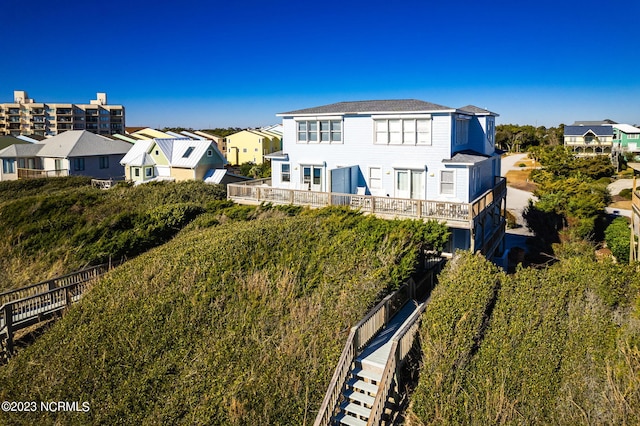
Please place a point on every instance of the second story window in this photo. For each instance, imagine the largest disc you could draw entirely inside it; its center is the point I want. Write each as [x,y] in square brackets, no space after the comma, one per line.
[323,131]
[408,131]
[462,131]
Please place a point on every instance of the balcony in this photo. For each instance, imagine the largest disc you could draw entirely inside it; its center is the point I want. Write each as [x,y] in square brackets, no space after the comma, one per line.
[457,215]
[37,173]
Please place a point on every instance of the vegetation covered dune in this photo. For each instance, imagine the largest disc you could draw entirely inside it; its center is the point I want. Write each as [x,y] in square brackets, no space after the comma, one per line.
[552,346]
[231,322]
[53,226]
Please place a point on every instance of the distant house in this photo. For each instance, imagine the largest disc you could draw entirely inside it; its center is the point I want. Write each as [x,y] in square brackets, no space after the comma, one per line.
[74,152]
[393,158]
[626,137]
[173,159]
[21,155]
[250,146]
[585,138]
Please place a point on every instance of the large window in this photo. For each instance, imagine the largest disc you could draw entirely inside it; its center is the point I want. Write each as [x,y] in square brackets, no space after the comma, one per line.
[413,131]
[285,174]
[633,136]
[446,182]
[324,131]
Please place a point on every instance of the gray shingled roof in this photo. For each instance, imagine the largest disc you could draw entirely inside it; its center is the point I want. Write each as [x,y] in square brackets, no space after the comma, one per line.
[398,105]
[466,157]
[472,109]
[80,143]
[20,150]
[606,130]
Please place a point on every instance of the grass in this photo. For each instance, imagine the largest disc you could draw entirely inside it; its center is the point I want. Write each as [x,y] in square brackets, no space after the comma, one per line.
[229,323]
[53,226]
[551,346]
[519,179]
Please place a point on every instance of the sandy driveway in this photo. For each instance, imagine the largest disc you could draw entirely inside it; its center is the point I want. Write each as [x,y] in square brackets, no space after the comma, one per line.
[517,199]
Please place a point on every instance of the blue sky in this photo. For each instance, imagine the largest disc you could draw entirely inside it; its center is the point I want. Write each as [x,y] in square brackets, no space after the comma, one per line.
[208,64]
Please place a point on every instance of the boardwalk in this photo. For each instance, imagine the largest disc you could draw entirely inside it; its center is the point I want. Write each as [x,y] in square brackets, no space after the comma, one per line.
[32,304]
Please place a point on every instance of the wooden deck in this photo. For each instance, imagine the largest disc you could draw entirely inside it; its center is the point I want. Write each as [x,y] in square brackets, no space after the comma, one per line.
[457,215]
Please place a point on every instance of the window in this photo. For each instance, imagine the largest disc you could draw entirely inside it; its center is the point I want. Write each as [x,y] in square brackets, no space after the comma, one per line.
[326,131]
[244,149]
[446,182]
[491,131]
[210,153]
[375,178]
[410,131]
[148,171]
[188,152]
[21,163]
[136,172]
[633,136]
[462,130]
[285,173]
[104,162]
[78,164]
[8,165]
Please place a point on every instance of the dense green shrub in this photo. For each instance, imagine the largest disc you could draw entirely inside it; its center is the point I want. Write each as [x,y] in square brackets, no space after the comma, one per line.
[618,238]
[560,345]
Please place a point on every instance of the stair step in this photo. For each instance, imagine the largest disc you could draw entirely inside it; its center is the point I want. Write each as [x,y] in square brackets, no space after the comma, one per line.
[362,398]
[367,374]
[345,419]
[363,386]
[358,410]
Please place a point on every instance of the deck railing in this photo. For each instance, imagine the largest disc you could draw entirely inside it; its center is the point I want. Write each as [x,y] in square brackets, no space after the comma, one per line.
[400,347]
[38,173]
[461,213]
[362,333]
[29,305]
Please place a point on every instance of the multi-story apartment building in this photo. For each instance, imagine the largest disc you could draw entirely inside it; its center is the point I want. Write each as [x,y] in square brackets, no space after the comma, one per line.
[27,117]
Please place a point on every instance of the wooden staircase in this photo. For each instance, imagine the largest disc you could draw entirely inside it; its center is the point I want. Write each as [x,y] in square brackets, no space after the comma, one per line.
[365,388]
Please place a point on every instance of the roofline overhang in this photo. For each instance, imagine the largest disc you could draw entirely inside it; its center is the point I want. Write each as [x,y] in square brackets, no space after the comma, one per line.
[310,114]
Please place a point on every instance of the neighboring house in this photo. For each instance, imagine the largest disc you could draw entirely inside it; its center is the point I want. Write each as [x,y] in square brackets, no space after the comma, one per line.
[81,153]
[250,146]
[586,138]
[626,137]
[397,158]
[19,155]
[75,152]
[172,158]
[25,116]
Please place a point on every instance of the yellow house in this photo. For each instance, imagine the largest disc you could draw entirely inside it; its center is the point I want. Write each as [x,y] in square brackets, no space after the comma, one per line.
[172,159]
[250,146]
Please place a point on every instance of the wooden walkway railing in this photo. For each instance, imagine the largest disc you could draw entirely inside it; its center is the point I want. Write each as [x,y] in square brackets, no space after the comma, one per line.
[461,215]
[29,305]
[365,330]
